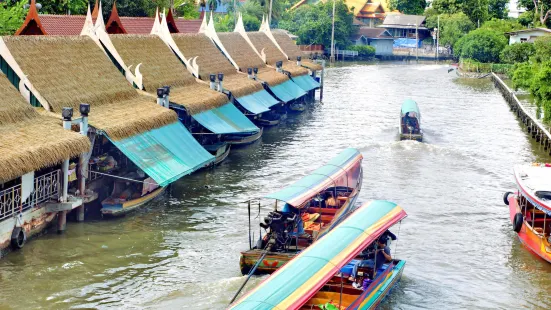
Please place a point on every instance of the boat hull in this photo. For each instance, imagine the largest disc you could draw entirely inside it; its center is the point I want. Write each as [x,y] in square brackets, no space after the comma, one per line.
[527,235]
[273,260]
[416,137]
[120,209]
[297,107]
[381,288]
[243,139]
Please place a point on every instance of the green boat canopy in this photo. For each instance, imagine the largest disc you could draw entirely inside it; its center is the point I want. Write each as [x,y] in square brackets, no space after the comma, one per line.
[343,170]
[410,106]
[287,91]
[226,119]
[258,102]
[165,154]
[301,278]
[306,82]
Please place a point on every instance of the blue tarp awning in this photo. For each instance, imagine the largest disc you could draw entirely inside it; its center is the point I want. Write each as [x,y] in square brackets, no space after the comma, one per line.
[265,98]
[404,42]
[165,154]
[252,104]
[287,91]
[306,82]
[225,120]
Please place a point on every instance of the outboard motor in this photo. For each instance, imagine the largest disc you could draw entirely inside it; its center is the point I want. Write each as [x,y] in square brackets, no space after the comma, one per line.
[278,225]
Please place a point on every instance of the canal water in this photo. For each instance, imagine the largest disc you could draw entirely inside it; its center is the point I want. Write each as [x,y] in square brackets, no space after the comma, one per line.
[182,252]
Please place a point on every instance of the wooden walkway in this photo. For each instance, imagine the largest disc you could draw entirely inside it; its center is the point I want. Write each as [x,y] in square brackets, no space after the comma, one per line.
[538,131]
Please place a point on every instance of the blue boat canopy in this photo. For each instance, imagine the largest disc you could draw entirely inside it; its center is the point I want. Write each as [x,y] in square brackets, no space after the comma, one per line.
[343,170]
[410,106]
[287,91]
[301,278]
[306,82]
[258,102]
[226,119]
[165,154]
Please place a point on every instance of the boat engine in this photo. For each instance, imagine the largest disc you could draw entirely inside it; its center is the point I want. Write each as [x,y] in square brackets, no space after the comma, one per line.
[278,225]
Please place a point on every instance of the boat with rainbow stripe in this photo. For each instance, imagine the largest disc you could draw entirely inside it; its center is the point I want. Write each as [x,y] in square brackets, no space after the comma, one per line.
[530,208]
[317,277]
[308,209]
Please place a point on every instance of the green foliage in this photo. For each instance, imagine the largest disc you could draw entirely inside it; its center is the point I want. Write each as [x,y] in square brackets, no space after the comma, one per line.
[414,7]
[471,65]
[543,49]
[522,75]
[476,10]
[502,25]
[186,9]
[452,27]
[138,8]
[75,7]
[526,18]
[364,51]
[482,45]
[448,6]
[225,22]
[497,9]
[540,88]
[12,16]
[517,53]
[312,23]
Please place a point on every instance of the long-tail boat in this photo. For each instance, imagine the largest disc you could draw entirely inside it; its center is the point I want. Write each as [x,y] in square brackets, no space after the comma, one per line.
[318,277]
[410,121]
[530,208]
[318,200]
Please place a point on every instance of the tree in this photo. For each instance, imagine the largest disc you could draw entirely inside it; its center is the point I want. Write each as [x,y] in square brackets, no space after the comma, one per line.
[186,9]
[541,10]
[448,6]
[312,23]
[225,22]
[414,7]
[498,8]
[137,8]
[517,53]
[541,88]
[482,45]
[522,75]
[452,27]
[12,15]
[542,46]
[364,51]
[477,10]
[502,25]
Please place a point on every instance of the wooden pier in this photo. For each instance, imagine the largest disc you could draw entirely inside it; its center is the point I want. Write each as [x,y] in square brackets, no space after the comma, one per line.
[534,127]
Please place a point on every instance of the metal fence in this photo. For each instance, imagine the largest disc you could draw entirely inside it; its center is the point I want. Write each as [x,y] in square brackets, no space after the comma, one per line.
[46,187]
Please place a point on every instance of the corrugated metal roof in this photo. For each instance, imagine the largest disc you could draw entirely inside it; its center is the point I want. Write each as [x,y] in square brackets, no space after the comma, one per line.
[403,20]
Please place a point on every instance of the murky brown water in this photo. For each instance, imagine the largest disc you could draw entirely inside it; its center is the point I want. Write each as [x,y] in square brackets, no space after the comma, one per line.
[182,252]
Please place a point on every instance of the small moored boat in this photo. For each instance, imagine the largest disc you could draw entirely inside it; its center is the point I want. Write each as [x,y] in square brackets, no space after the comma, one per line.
[530,208]
[326,275]
[219,150]
[410,121]
[128,195]
[309,208]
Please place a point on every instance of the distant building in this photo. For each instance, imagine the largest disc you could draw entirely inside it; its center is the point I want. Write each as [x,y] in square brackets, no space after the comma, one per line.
[368,12]
[514,11]
[403,29]
[379,38]
[527,35]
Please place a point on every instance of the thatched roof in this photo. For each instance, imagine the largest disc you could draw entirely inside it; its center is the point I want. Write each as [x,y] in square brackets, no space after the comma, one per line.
[69,70]
[287,45]
[240,51]
[197,98]
[29,141]
[240,85]
[294,69]
[311,65]
[261,41]
[271,76]
[210,58]
[161,67]
[211,61]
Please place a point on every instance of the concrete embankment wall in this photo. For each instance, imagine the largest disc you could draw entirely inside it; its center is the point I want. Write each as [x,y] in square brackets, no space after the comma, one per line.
[535,128]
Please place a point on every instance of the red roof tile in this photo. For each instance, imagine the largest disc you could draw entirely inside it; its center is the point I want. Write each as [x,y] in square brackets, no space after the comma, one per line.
[188,25]
[137,25]
[62,25]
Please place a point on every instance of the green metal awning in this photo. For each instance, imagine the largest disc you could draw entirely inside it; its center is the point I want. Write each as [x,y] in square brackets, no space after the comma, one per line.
[165,154]
[306,82]
[287,91]
[226,119]
[252,104]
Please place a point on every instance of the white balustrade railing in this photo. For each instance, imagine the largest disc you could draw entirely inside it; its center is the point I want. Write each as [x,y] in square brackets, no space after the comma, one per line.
[46,187]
